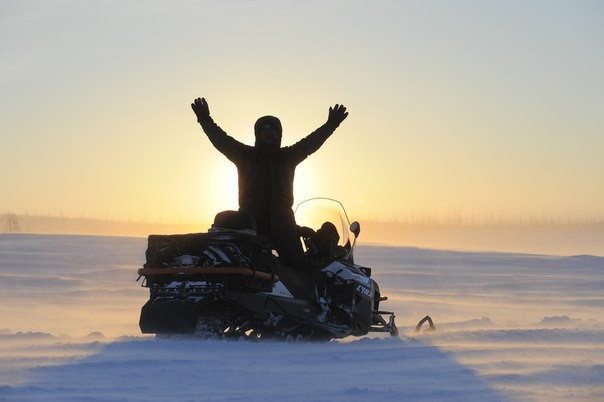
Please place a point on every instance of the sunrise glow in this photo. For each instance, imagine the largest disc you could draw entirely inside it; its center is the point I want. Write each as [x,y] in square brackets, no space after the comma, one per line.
[445,123]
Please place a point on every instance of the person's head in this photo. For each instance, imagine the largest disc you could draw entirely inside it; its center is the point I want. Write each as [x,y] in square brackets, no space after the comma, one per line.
[268,134]
[327,239]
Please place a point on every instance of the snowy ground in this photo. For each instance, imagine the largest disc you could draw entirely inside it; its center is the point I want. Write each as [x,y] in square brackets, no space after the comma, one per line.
[509,327]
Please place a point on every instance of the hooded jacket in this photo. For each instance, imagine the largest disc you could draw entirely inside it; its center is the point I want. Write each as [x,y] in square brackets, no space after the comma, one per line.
[266,177]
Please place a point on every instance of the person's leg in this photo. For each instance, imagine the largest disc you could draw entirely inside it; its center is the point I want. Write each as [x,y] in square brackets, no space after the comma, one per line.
[289,246]
[285,236]
[294,269]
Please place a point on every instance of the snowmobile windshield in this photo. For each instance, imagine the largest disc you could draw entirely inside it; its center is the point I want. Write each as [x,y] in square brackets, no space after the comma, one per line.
[313,213]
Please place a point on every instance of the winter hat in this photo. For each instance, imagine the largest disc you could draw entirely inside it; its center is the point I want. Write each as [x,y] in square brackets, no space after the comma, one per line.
[268,121]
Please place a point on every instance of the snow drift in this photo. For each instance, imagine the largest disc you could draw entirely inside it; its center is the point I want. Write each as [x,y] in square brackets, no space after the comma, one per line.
[509,327]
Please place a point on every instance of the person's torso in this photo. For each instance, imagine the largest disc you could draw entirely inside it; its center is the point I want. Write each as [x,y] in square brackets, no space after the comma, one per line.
[266,181]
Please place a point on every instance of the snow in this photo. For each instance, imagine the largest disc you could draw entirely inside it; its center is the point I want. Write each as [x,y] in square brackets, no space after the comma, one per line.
[508,327]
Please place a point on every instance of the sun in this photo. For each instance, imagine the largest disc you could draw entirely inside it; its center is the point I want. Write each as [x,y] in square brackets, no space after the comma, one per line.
[225,190]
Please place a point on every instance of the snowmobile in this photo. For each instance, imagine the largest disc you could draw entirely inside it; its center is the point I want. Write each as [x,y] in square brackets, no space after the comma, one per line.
[229,282]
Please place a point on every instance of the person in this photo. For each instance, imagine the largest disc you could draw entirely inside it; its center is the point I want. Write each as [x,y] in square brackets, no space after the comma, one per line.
[266,174]
[322,244]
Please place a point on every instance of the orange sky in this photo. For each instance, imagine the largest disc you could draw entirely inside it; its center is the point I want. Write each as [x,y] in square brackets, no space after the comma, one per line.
[456,108]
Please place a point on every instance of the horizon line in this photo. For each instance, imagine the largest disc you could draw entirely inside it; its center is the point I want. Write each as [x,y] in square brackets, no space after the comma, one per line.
[456,221]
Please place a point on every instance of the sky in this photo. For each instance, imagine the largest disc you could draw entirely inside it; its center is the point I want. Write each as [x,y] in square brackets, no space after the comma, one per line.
[471,109]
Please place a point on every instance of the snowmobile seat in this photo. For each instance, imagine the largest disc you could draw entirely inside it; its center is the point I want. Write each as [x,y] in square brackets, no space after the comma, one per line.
[235,220]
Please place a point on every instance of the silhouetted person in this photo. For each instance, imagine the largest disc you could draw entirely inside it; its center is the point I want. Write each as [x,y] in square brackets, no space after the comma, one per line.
[323,243]
[266,174]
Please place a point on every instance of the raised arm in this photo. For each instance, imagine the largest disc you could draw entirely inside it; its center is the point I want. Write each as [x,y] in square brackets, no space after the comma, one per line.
[226,144]
[311,143]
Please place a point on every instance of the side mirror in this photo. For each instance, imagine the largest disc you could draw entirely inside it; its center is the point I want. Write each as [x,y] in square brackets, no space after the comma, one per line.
[355,227]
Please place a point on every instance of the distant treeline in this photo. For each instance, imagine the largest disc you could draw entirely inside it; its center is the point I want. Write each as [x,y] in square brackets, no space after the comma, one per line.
[62,225]
[542,238]
[555,237]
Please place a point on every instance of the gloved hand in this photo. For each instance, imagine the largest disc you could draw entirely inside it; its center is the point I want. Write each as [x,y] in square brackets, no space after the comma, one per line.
[201,109]
[337,114]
